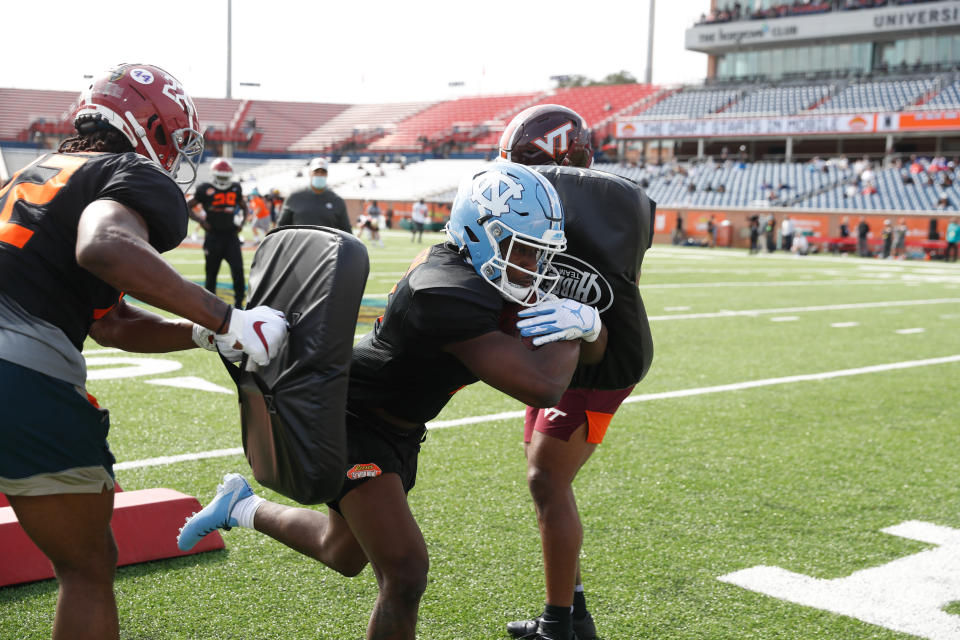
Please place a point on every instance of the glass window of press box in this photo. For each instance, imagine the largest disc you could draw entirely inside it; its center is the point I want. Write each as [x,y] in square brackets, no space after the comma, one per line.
[934,51]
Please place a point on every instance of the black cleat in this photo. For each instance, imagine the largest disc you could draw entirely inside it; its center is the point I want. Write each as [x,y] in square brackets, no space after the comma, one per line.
[583,629]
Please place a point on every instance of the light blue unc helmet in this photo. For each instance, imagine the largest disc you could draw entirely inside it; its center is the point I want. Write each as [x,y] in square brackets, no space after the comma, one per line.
[500,209]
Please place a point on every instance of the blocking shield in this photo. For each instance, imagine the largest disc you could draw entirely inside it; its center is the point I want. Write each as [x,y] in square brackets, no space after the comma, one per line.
[292,411]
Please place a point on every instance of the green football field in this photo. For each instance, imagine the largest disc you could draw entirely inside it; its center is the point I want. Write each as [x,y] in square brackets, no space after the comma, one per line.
[801,414]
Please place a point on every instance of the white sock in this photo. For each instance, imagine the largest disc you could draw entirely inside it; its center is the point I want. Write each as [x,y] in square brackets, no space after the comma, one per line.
[578,588]
[245,509]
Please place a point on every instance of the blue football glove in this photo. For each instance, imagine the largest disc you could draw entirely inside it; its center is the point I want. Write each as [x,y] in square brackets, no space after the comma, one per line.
[559,319]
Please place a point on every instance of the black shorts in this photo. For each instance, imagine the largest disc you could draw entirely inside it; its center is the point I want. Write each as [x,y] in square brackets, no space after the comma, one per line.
[375,447]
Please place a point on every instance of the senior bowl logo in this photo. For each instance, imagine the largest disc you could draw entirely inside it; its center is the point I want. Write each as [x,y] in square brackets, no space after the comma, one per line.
[364,470]
[858,123]
[581,282]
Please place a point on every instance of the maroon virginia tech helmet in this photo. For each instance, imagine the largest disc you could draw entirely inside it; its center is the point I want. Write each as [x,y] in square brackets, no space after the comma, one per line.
[547,134]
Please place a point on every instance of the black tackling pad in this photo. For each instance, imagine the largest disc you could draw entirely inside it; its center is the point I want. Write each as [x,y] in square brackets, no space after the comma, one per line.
[608,222]
[292,411]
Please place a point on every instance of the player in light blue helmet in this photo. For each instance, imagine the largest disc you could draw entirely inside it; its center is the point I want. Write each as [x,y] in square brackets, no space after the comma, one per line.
[500,217]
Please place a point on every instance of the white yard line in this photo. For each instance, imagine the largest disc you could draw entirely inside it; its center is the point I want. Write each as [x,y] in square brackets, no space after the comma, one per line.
[787,310]
[646,397]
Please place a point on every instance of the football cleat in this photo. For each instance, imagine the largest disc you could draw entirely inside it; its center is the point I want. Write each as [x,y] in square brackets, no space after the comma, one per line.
[215,515]
[583,628]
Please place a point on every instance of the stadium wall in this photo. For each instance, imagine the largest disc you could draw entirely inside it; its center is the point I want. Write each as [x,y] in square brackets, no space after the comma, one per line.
[817,223]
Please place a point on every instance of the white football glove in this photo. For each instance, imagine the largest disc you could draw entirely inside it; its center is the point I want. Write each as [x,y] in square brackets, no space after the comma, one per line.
[261,332]
[206,339]
[559,319]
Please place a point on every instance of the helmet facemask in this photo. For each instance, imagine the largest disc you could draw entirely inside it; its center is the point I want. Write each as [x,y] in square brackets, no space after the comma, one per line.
[507,262]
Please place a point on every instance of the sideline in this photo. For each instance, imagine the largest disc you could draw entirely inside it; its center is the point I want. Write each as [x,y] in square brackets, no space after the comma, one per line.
[646,397]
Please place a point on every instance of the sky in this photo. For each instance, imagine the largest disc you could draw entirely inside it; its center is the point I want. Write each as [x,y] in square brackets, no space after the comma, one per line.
[348,51]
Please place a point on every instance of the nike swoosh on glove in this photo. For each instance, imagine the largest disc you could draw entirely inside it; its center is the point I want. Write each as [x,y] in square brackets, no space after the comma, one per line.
[560,319]
[206,339]
[261,332]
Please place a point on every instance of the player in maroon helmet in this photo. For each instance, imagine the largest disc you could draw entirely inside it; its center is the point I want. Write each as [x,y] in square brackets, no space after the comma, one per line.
[609,223]
[225,210]
[79,229]
[547,134]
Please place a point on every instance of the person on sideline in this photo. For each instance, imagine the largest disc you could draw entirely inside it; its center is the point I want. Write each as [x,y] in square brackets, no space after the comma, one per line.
[315,204]
[418,219]
[225,211]
[109,207]
[441,330]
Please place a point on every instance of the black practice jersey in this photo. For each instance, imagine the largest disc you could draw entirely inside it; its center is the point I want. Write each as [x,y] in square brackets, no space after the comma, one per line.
[220,205]
[40,209]
[400,366]
[608,222]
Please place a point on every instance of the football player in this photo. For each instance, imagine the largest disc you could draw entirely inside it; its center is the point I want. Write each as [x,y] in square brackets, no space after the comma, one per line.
[77,228]
[225,211]
[438,333]
[608,227]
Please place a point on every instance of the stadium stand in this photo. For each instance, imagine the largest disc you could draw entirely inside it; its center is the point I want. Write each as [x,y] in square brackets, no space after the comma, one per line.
[276,126]
[692,103]
[357,126]
[23,112]
[883,95]
[779,100]
[456,120]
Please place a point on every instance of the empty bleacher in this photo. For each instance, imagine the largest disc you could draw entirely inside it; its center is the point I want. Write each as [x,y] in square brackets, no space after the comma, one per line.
[448,119]
[778,100]
[21,108]
[691,103]
[358,122]
[885,95]
[279,125]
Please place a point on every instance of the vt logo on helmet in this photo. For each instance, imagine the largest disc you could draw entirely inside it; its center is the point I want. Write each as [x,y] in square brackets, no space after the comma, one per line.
[507,222]
[547,134]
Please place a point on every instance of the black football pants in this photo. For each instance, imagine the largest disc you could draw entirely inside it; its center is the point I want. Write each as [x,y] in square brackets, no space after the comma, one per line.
[224,246]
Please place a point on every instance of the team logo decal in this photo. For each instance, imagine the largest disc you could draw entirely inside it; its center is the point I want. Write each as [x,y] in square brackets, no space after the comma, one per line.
[581,282]
[364,470]
[494,191]
[142,76]
[556,141]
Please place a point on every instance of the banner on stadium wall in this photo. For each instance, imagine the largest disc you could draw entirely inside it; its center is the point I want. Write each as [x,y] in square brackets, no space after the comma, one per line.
[774,126]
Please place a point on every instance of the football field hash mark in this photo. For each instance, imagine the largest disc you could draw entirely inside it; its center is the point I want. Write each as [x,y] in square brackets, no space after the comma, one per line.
[906,595]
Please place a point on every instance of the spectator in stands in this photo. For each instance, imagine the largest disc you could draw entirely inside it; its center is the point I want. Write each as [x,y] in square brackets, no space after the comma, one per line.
[786,233]
[916,167]
[900,239]
[953,238]
[863,232]
[943,203]
[316,204]
[419,216]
